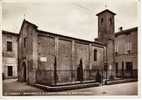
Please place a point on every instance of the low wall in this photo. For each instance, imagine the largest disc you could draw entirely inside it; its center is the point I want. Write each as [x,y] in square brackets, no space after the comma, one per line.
[46,77]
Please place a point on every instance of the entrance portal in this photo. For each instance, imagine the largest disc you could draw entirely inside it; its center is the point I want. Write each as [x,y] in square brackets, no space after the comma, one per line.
[129,69]
[10,71]
[122,69]
[24,71]
[80,72]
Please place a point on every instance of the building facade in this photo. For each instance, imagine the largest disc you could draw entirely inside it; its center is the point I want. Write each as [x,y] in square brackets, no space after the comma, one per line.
[53,59]
[106,27]
[10,54]
[126,51]
[121,47]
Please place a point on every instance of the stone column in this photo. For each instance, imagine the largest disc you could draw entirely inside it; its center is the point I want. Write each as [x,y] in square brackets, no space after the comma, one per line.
[56,62]
[90,60]
[72,62]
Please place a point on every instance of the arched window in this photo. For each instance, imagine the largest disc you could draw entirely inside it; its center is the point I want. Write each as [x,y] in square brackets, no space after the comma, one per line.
[110,20]
[95,55]
[25,39]
[102,20]
[116,47]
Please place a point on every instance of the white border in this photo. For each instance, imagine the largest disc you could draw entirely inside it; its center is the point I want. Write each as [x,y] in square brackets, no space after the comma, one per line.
[74,97]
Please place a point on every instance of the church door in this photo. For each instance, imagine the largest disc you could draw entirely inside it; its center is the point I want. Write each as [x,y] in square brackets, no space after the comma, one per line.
[122,69]
[80,72]
[24,71]
[10,71]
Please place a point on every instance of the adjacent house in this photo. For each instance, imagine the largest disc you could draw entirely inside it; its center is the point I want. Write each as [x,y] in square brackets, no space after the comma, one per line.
[10,54]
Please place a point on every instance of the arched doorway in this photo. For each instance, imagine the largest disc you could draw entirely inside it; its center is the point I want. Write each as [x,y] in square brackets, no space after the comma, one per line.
[24,71]
[80,71]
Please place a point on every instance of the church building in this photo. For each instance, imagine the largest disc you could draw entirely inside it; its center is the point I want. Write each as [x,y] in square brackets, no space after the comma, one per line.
[52,59]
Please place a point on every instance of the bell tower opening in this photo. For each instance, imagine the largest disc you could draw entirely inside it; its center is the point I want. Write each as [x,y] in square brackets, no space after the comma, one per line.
[106,25]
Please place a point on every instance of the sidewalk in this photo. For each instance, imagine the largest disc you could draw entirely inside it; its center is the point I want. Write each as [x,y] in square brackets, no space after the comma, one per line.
[13,87]
[119,81]
[77,85]
[66,87]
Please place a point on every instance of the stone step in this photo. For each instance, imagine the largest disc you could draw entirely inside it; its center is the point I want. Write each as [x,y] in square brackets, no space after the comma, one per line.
[120,81]
[66,87]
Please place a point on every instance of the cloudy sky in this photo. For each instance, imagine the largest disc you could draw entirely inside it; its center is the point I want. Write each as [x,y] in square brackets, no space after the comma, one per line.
[76,18]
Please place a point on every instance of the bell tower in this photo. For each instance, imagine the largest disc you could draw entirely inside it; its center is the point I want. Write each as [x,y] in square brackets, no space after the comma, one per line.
[106,35]
[105,25]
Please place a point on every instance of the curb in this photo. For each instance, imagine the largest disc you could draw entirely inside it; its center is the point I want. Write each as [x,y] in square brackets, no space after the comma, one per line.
[120,81]
[66,87]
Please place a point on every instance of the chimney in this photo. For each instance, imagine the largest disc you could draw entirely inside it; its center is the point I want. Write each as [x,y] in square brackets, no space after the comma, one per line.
[121,28]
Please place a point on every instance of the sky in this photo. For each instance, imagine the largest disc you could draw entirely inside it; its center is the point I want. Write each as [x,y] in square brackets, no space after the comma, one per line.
[75,18]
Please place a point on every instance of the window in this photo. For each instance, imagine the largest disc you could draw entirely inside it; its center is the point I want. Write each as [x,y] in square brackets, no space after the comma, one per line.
[116,68]
[25,42]
[128,51]
[128,47]
[110,20]
[116,53]
[105,66]
[9,46]
[102,20]
[122,70]
[95,55]
[129,66]
[116,47]
[10,70]
[9,36]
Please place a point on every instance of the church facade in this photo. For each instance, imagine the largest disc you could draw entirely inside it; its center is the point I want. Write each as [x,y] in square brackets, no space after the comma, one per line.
[52,59]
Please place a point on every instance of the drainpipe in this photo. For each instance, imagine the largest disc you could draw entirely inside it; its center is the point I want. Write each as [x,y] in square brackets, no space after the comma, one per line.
[55,71]
[114,54]
[106,66]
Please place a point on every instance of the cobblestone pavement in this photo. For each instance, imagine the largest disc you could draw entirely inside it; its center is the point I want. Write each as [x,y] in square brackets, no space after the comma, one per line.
[13,87]
[108,90]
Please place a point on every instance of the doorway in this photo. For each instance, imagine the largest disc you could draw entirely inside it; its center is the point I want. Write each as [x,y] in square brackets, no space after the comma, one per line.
[129,69]
[10,71]
[116,69]
[24,71]
[80,72]
[122,69]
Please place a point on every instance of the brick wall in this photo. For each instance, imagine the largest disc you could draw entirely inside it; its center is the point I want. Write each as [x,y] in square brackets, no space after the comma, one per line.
[68,53]
[43,48]
[27,55]
[46,48]
[64,67]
